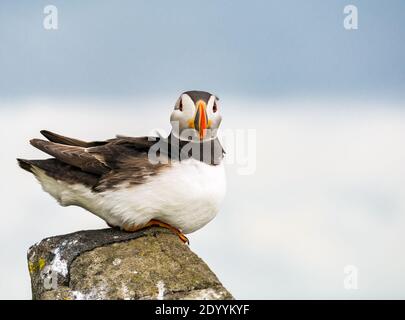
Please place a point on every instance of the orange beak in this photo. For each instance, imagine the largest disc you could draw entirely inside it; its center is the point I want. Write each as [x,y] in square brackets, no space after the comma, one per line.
[201,119]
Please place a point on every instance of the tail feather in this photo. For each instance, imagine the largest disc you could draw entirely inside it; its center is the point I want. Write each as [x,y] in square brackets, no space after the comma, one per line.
[60,171]
[54,137]
[42,145]
[57,138]
[25,164]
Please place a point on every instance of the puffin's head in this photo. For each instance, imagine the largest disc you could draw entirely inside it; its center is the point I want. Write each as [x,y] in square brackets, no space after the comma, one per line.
[196,116]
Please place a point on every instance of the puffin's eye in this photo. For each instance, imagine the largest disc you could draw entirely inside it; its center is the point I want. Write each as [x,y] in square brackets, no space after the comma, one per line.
[181,105]
[214,107]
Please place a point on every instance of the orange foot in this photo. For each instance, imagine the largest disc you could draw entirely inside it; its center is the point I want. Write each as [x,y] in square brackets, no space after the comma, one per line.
[158,223]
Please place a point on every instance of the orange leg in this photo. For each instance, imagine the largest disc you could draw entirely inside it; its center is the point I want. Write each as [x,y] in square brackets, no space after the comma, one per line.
[158,223]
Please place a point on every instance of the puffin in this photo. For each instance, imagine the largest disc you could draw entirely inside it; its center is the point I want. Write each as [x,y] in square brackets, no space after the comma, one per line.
[175,182]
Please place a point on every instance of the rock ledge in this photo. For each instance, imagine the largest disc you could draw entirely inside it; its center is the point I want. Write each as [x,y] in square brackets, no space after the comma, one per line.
[111,264]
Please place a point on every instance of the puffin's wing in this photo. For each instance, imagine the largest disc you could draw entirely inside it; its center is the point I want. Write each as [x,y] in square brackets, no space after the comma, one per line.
[57,138]
[123,153]
[76,156]
[129,161]
[114,154]
[119,160]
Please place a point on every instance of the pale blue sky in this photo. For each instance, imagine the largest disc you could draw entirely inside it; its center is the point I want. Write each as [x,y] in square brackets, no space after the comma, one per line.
[243,48]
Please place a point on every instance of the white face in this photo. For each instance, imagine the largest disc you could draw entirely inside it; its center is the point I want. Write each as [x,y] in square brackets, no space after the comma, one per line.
[197,121]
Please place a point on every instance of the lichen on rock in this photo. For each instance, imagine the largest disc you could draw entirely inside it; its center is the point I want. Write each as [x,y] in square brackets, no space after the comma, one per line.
[111,264]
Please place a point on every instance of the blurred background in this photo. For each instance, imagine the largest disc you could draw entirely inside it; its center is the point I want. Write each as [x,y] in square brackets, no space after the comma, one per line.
[326,103]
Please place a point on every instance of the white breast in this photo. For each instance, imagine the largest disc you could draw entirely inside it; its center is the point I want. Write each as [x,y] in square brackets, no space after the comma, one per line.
[186,196]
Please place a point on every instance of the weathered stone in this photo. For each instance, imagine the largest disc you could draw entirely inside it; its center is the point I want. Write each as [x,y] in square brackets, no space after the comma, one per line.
[111,264]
